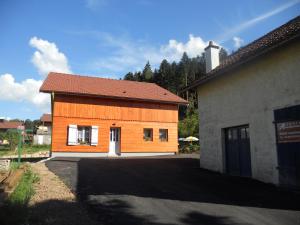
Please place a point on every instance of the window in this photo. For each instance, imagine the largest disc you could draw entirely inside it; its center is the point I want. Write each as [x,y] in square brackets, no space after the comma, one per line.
[84,135]
[148,134]
[245,133]
[234,134]
[163,134]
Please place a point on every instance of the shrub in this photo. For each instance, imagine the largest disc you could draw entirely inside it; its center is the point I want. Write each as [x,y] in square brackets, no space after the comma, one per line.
[13,138]
[186,147]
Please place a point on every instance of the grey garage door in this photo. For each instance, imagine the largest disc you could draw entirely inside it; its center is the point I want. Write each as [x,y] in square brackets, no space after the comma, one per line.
[237,148]
[287,122]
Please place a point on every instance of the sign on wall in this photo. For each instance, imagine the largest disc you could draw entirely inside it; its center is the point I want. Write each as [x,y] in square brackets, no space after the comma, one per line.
[288,132]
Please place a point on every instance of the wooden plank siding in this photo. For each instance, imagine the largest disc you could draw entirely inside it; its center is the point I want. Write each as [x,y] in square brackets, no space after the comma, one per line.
[109,109]
[132,117]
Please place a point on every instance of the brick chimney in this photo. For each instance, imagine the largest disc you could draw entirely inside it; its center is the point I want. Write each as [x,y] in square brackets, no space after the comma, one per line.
[211,56]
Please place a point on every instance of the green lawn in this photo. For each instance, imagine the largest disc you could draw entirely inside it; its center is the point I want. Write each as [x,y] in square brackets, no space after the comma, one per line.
[27,149]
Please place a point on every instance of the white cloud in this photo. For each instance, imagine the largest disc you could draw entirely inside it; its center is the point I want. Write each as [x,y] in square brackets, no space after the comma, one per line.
[193,47]
[238,42]
[27,90]
[128,55]
[227,35]
[5,118]
[48,57]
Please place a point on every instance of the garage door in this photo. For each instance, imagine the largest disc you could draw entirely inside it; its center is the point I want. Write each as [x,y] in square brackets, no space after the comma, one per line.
[287,122]
[237,148]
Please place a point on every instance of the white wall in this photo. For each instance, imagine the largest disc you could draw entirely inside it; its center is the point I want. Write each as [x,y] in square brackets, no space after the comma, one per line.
[248,96]
[42,139]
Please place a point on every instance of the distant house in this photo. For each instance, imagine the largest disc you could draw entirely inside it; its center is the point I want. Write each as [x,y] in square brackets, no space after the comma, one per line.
[105,117]
[249,109]
[8,125]
[46,126]
[43,133]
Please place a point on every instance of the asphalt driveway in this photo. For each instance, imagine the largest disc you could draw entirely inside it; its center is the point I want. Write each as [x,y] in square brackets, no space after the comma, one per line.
[172,190]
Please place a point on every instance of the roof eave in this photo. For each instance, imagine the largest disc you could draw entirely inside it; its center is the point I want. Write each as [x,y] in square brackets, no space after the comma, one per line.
[218,73]
[116,97]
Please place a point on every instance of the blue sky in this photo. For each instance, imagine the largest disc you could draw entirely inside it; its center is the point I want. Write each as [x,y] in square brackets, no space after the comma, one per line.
[109,38]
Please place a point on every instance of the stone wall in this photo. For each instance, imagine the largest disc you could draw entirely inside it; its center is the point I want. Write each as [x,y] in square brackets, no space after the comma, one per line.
[4,164]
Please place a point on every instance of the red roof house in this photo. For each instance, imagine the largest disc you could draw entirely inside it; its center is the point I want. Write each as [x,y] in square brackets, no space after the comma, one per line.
[98,116]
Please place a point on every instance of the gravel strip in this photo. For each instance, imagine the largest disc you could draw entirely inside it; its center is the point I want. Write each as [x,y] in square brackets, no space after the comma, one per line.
[53,202]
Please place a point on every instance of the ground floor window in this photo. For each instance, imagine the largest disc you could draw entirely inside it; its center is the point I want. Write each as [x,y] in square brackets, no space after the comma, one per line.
[163,134]
[148,134]
[84,135]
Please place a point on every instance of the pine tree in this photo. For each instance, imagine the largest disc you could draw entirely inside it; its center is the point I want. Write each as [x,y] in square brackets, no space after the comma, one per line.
[200,66]
[184,66]
[163,74]
[147,72]
[223,55]
[175,76]
[129,76]
[138,76]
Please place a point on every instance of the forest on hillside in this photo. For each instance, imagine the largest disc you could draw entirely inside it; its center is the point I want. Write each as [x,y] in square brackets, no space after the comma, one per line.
[174,76]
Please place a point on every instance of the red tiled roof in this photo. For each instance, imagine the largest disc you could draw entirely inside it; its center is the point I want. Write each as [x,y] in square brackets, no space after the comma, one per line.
[46,118]
[10,125]
[283,34]
[109,88]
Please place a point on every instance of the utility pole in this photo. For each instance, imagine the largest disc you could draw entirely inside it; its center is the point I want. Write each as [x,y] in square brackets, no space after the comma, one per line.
[20,140]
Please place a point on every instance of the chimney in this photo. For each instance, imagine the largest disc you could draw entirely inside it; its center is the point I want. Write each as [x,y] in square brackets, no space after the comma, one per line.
[211,56]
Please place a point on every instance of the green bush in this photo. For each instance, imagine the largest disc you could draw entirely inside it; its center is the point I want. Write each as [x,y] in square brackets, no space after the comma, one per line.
[187,147]
[2,135]
[12,136]
[189,126]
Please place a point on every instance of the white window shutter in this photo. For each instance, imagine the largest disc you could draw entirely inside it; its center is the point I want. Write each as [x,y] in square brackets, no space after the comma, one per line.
[94,135]
[72,135]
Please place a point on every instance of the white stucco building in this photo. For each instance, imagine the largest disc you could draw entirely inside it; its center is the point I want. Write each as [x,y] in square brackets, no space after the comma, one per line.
[249,109]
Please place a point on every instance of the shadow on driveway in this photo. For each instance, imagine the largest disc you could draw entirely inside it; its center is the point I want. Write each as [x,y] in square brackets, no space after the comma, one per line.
[172,191]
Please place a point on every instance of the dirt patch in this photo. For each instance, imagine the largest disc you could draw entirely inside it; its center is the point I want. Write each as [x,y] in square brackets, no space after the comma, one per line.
[53,202]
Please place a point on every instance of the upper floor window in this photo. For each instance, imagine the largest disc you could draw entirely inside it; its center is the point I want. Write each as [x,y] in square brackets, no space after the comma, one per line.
[148,134]
[163,134]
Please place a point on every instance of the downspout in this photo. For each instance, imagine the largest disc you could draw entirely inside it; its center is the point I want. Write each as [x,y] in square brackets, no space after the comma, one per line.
[52,112]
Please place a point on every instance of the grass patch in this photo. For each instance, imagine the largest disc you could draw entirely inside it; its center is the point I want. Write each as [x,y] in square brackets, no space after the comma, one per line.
[24,190]
[15,210]
[5,150]
[14,165]
[27,149]
[35,148]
